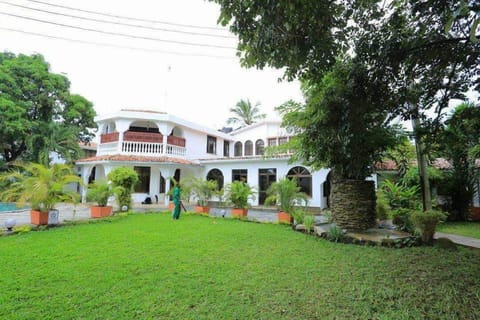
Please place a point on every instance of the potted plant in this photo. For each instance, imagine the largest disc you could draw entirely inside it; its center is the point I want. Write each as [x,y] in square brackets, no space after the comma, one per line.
[99,192]
[202,190]
[286,194]
[427,222]
[238,193]
[41,186]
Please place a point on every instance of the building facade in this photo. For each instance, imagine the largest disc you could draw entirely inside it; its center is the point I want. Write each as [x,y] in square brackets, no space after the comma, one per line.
[160,146]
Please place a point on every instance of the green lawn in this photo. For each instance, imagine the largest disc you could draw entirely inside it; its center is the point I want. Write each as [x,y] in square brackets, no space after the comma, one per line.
[147,266]
[467,229]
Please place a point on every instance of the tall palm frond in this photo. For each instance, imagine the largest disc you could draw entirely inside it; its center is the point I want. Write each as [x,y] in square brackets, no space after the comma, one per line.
[245,113]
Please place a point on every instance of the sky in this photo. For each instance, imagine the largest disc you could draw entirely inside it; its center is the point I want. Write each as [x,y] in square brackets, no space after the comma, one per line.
[187,65]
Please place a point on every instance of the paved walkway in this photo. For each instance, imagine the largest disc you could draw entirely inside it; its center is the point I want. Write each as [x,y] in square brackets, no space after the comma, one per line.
[464,241]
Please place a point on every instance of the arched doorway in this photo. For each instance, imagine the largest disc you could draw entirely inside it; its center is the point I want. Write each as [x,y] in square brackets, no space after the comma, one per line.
[303,178]
[216,175]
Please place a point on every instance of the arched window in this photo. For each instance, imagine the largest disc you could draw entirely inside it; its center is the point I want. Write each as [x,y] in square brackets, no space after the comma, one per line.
[248,148]
[216,175]
[259,147]
[238,149]
[303,177]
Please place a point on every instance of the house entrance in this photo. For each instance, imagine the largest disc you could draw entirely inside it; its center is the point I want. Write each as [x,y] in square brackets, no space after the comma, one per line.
[265,178]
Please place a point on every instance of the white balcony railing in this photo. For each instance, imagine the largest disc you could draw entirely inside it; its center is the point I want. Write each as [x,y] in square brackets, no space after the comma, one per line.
[151,149]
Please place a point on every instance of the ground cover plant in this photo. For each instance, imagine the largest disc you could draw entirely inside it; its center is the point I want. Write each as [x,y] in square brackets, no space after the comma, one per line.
[147,266]
[467,229]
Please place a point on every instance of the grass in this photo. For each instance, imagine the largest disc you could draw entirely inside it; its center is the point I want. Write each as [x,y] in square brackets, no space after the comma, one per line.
[467,229]
[147,266]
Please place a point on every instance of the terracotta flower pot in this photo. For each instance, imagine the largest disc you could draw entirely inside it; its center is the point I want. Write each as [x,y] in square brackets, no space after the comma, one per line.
[238,212]
[100,212]
[171,206]
[38,217]
[200,209]
[284,217]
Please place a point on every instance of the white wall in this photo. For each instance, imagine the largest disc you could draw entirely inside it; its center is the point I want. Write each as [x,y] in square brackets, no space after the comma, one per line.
[282,166]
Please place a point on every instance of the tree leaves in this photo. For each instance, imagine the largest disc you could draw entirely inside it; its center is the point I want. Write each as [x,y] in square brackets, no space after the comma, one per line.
[38,112]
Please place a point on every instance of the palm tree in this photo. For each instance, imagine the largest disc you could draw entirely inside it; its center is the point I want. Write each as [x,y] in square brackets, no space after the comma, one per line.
[40,185]
[246,113]
[54,137]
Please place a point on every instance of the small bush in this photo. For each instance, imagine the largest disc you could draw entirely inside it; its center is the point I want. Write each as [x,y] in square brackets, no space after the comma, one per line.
[382,207]
[308,222]
[298,215]
[401,218]
[328,215]
[22,229]
[427,221]
[124,180]
[335,233]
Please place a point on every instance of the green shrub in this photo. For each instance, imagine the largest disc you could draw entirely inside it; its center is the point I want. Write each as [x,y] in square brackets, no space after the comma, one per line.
[335,233]
[238,193]
[328,215]
[399,196]
[308,222]
[298,215]
[401,218]
[99,192]
[381,208]
[124,179]
[201,189]
[426,222]
[22,229]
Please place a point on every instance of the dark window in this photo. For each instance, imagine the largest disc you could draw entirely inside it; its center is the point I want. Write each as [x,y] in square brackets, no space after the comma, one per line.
[216,175]
[272,142]
[303,177]
[226,148]
[265,178]
[143,183]
[259,147]
[211,145]
[143,129]
[238,149]
[282,140]
[248,148]
[239,175]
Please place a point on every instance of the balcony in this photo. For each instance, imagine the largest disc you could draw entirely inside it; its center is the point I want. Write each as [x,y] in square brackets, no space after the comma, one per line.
[142,144]
[143,136]
[109,137]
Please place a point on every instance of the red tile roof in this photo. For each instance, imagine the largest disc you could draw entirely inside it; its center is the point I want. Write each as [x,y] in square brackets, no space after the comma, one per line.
[131,158]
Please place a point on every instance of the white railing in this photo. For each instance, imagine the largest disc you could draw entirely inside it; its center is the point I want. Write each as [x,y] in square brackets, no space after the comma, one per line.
[151,149]
[176,150]
[107,148]
[142,148]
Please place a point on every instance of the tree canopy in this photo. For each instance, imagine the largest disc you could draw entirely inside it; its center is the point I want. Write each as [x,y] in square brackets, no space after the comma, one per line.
[343,124]
[458,143]
[38,113]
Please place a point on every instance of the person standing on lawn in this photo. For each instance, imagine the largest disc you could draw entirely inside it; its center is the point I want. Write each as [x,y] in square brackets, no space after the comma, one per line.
[177,201]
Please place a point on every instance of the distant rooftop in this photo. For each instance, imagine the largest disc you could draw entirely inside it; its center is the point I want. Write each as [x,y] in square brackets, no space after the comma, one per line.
[148,111]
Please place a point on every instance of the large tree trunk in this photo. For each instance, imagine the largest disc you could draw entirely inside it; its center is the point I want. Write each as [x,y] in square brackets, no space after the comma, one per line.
[353,204]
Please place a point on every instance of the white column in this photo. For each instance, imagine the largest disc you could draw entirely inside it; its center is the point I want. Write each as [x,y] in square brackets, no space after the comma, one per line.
[154,182]
[167,173]
[85,174]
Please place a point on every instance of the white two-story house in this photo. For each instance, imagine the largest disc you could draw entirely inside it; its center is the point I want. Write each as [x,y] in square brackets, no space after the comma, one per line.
[160,146]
